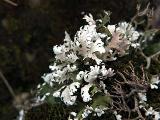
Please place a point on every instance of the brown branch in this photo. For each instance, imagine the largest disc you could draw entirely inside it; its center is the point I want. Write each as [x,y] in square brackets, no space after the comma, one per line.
[11,3]
[121,96]
[148,58]
[7,85]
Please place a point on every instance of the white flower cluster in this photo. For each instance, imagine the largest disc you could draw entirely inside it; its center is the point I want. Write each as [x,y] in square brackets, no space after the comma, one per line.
[154,82]
[151,112]
[73,68]
[118,116]
[96,112]
[128,32]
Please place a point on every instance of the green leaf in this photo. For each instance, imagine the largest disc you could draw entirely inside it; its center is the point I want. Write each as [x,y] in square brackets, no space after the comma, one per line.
[152,49]
[100,100]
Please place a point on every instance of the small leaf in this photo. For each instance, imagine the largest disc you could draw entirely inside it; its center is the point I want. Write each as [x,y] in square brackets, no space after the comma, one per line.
[101,100]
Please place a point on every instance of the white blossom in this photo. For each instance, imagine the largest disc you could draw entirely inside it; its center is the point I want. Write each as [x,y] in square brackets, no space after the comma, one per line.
[85,93]
[58,49]
[92,74]
[155,114]
[88,110]
[73,113]
[72,68]
[43,98]
[99,111]
[103,87]
[67,94]
[142,97]
[48,78]
[102,35]
[111,28]
[68,43]
[80,75]
[107,73]
[89,42]
[135,45]
[154,82]
[72,57]
[21,115]
[128,31]
[89,19]
[150,111]
[57,93]
[118,116]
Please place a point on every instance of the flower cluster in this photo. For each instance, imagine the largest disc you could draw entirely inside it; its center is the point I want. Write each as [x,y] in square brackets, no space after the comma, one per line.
[79,71]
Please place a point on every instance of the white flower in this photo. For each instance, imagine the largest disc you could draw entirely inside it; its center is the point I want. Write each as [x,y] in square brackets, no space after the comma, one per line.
[72,57]
[89,19]
[68,43]
[97,46]
[154,82]
[107,73]
[21,115]
[103,87]
[154,86]
[47,94]
[89,42]
[135,45]
[85,93]
[142,97]
[80,75]
[57,49]
[43,98]
[62,50]
[150,111]
[58,92]
[135,35]
[99,112]
[102,35]
[118,116]
[48,78]
[87,111]
[72,68]
[67,94]
[156,115]
[92,75]
[55,67]
[73,113]
[111,28]
[128,31]
[61,75]
[38,86]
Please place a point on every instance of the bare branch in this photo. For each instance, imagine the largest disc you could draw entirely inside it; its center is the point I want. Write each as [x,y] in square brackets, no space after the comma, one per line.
[11,3]
[7,85]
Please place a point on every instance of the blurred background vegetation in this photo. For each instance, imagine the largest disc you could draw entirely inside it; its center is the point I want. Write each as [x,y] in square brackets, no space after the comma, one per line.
[28,31]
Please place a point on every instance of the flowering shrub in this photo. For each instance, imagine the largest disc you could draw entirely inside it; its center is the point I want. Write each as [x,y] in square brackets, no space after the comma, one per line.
[84,75]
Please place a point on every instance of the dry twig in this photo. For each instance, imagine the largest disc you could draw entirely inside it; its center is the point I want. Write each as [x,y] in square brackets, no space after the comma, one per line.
[11,3]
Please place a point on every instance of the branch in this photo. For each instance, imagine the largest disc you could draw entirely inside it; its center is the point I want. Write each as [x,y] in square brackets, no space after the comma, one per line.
[148,58]
[7,85]
[11,2]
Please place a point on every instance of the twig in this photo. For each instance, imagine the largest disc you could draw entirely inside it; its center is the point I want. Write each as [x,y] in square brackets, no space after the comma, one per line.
[148,58]
[7,85]
[11,2]
[140,13]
